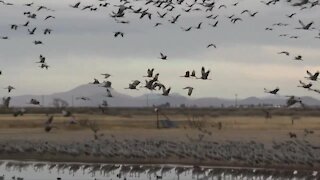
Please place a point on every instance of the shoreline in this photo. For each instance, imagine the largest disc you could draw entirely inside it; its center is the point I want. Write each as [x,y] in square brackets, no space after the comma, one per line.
[65,159]
[167,163]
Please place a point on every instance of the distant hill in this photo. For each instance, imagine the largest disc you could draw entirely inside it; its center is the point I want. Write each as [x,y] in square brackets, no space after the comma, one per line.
[97,95]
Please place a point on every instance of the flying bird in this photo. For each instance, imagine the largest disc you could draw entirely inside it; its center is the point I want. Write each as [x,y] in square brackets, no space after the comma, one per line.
[275,91]
[190,89]
[312,77]
[304,85]
[212,45]
[10,88]
[106,75]
[116,34]
[284,52]
[163,57]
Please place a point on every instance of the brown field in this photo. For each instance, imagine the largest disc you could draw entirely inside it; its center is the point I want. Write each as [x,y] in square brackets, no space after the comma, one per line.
[245,124]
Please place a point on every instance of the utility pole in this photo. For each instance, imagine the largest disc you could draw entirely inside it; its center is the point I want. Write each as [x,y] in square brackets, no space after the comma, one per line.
[147,100]
[236,100]
[157,111]
[72,101]
[42,100]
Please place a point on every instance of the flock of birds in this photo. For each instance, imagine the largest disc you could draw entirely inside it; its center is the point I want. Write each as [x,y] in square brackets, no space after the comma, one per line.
[291,152]
[163,8]
[152,171]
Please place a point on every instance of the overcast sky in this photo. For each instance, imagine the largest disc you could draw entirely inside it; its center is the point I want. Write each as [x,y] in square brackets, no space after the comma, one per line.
[82,46]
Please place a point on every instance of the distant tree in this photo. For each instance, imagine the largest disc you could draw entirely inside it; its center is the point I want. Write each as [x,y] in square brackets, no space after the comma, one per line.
[182,105]
[6,102]
[59,103]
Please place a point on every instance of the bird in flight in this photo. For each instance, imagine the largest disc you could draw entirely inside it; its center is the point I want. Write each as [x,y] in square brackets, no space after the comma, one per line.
[275,91]
[305,27]
[163,57]
[312,77]
[106,75]
[134,85]
[304,85]
[204,74]
[298,58]
[116,34]
[190,89]
[284,52]
[212,45]
[10,88]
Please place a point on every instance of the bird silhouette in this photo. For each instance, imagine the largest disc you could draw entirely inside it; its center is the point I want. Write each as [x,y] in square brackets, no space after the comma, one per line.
[275,91]
[190,89]
[163,57]
[312,77]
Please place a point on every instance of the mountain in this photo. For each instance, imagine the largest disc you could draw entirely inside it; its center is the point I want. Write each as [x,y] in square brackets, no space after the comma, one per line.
[97,95]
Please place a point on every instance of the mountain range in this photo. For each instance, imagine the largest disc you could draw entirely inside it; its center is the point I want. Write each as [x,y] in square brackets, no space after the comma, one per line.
[97,95]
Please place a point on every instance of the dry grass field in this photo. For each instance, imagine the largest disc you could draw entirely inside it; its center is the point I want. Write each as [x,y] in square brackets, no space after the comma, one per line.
[235,125]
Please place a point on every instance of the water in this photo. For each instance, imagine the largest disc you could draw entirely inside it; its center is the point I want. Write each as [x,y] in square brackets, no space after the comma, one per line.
[80,171]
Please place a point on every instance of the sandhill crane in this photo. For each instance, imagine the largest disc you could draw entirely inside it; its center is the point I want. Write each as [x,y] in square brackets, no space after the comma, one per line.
[275,91]
[34,102]
[291,15]
[157,24]
[106,84]
[298,58]
[190,89]
[234,20]
[10,88]
[149,84]
[165,91]
[14,26]
[42,59]
[44,66]
[37,42]
[174,19]
[109,93]
[163,57]
[48,124]
[193,73]
[116,34]
[155,85]
[302,2]
[149,72]
[284,52]
[204,74]
[95,81]
[48,17]
[75,5]
[212,45]
[312,77]
[304,85]
[293,100]
[161,15]
[31,32]
[83,98]
[133,85]
[47,31]
[215,24]
[305,27]
[187,74]
[156,77]
[106,75]
[29,4]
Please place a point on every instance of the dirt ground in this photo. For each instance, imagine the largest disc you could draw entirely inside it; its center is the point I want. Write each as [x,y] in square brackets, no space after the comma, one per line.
[242,128]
